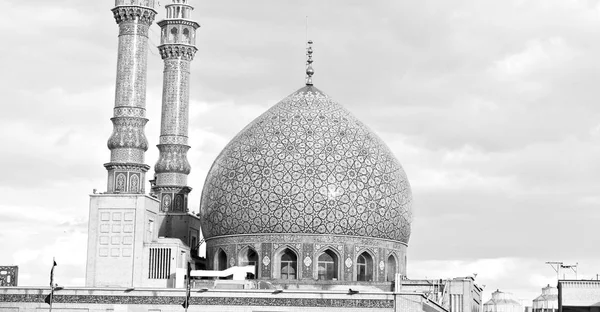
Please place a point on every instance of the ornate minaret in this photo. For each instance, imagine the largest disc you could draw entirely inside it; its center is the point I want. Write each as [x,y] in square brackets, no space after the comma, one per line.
[178,37]
[127,144]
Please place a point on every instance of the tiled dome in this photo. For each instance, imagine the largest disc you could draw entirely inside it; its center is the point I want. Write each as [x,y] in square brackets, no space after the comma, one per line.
[307,166]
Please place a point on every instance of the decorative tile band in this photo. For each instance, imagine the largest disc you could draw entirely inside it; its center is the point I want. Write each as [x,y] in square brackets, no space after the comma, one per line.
[127,155]
[175,51]
[346,249]
[134,13]
[172,159]
[211,301]
[171,179]
[128,111]
[131,28]
[173,139]
[128,132]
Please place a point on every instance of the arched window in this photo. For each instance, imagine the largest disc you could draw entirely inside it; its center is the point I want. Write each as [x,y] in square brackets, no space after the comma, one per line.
[173,35]
[249,257]
[327,265]
[186,35]
[364,267]
[221,260]
[288,264]
[391,269]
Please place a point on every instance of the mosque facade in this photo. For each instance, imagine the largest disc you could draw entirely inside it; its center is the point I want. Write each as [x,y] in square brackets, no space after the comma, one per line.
[306,194]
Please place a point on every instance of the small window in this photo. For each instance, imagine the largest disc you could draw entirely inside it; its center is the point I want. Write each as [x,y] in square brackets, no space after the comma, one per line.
[150,230]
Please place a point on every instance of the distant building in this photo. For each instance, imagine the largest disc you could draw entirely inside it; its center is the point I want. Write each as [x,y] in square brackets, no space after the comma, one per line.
[9,275]
[502,302]
[459,294]
[547,301]
[578,296]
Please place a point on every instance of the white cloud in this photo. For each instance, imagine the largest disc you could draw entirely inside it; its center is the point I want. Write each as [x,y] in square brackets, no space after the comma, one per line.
[538,54]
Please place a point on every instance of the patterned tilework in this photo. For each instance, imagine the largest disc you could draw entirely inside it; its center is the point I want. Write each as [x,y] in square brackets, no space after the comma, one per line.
[9,275]
[172,159]
[128,133]
[135,11]
[174,123]
[128,143]
[307,258]
[225,301]
[116,230]
[173,198]
[307,166]
[126,178]
[145,3]
[172,167]
[308,246]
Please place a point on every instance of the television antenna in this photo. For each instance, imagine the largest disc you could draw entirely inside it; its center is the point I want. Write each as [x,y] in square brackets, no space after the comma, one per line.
[559,265]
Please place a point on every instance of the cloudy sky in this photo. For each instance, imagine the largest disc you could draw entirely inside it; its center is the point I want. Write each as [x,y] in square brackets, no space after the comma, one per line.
[491,107]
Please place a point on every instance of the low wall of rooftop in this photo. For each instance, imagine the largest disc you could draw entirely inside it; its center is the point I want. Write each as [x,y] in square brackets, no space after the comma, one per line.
[26,299]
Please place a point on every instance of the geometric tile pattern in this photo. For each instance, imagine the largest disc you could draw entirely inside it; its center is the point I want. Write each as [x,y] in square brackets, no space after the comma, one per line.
[210,301]
[128,142]
[177,51]
[307,165]
[9,276]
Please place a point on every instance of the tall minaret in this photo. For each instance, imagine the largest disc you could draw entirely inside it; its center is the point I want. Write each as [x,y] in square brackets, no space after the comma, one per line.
[127,144]
[178,37]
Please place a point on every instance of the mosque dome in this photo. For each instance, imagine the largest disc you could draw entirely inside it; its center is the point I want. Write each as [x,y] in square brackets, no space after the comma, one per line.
[307,166]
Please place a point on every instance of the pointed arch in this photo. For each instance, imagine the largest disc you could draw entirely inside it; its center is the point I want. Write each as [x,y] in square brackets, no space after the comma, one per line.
[327,264]
[286,263]
[391,268]
[220,262]
[173,35]
[134,183]
[364,266]
[120,182]
[186,35]
[249,256]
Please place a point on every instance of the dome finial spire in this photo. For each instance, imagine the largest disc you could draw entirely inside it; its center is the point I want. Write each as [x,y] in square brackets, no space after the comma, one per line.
[309,70]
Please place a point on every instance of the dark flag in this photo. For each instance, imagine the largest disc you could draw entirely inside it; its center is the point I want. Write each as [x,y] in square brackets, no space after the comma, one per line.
[50,296]
[186,303]
[52,274]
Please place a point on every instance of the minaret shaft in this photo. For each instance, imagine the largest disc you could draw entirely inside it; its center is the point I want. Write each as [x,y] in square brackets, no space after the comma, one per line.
[128,143]
[177,50]
[172,167]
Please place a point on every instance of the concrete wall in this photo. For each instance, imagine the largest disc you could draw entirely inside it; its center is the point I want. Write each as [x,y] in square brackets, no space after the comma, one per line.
[578,294]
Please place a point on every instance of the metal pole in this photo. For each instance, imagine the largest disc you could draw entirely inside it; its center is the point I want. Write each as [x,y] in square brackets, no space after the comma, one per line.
[51,296]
